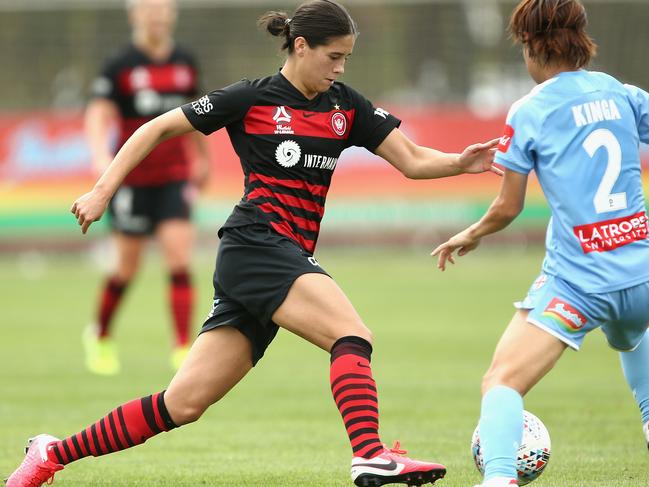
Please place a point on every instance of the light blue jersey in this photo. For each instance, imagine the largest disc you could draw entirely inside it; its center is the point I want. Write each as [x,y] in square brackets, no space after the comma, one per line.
[580,133]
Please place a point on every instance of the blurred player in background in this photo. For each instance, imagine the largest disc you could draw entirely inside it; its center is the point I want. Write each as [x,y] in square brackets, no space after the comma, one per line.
[580,132]
[289,130]
[147,78]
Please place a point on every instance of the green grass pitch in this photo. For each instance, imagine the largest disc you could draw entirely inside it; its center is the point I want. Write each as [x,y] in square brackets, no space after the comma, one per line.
[434,335]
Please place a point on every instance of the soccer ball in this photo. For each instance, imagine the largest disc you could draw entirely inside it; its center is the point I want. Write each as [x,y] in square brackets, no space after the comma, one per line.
[533,453]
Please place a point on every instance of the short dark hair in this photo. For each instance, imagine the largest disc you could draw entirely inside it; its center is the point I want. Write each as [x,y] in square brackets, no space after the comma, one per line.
[318,21]
[553,31]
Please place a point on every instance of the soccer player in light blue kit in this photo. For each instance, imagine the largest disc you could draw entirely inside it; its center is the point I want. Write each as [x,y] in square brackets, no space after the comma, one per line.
[580,132]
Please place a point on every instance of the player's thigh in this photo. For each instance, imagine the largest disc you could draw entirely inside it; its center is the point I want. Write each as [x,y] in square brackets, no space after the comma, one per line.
[129,250]
[629,317]
[316,309]
[523,356]
[176,238]
[217,361]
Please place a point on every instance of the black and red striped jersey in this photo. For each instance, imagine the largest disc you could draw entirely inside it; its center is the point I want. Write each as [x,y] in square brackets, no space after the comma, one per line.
[289,147]
[142,89]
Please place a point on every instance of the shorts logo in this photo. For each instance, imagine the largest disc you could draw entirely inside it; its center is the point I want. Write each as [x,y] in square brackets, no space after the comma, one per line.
[506,139]
[611,234]
[339,123]
[566,315]
[540,282]
[202,106]
[288,153]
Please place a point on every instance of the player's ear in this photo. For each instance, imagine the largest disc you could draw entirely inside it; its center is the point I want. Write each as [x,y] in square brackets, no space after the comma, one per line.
[300,46]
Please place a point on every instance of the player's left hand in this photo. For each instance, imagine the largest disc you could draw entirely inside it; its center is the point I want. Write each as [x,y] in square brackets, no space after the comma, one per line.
[88,208]
[200,173]
[463,242]
[479,158]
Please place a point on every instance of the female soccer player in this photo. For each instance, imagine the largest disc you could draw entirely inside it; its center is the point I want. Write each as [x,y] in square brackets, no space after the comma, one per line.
[579,131]
[289,130]
[147,78]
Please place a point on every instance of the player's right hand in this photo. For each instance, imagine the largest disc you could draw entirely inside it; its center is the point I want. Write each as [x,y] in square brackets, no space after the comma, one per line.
[88,208]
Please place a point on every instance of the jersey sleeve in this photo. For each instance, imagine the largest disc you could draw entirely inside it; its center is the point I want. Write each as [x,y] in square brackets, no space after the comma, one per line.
[516,150]
[640,104]
[105,84]
[371,125]
[220,107]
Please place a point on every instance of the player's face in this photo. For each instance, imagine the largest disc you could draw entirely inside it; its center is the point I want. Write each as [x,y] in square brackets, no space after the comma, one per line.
[154,18]
[323,65]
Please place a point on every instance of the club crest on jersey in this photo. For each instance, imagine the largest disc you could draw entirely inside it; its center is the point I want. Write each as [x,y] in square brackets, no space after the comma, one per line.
[288,153]
[339,123]
[283,118]
[182,77]
[566,315]
[140,78]
[506,139]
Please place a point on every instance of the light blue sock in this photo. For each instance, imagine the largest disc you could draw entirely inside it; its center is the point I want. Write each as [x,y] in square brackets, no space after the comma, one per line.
[636,370]
[501,430]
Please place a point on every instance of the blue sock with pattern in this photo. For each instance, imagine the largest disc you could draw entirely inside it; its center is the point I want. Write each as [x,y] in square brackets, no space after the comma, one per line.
[501,429]
[635,365]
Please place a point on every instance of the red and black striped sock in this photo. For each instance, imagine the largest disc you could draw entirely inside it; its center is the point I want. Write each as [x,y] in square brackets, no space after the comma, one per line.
[181,296]
[129,425]
[110,297]
[354,391]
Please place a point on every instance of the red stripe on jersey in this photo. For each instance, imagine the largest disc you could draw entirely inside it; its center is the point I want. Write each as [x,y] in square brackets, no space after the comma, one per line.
[268,120]
[283,229]
[314,189]
[288,200]
[166,78]
[303,223]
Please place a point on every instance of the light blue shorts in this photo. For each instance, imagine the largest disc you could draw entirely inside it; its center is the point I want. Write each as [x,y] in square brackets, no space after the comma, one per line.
[568,313]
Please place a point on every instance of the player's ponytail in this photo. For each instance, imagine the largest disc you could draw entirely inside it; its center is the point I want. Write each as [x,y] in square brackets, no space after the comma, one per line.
[553,32]
[318,21]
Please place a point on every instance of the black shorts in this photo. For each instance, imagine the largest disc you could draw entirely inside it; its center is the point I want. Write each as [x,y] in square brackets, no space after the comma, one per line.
[137,210]
[255,268]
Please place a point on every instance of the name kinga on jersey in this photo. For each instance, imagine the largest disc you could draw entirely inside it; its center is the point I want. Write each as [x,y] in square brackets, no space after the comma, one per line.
[595,111]
[283,119]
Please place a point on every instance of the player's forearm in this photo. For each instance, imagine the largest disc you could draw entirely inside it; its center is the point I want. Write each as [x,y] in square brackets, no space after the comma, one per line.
[97,127]
[432,164]
[136,148]
[498,217]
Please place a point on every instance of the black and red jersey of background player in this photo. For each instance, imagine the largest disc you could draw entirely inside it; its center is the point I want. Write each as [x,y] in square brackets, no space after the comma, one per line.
[289,147]
[142,89]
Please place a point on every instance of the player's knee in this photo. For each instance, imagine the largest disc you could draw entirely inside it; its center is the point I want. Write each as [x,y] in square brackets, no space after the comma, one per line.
[497,375]
[187,413]
[127,269]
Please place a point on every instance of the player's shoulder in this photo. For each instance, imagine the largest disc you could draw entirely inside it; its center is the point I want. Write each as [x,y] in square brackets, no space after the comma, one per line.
[533,104]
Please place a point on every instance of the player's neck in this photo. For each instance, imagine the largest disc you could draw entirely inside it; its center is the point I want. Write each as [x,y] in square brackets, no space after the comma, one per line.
[290,72]
[549,72]
[157,49]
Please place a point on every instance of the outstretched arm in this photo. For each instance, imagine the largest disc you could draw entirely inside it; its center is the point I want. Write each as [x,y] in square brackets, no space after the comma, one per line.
[417,162]
[89,207]
[504,209]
